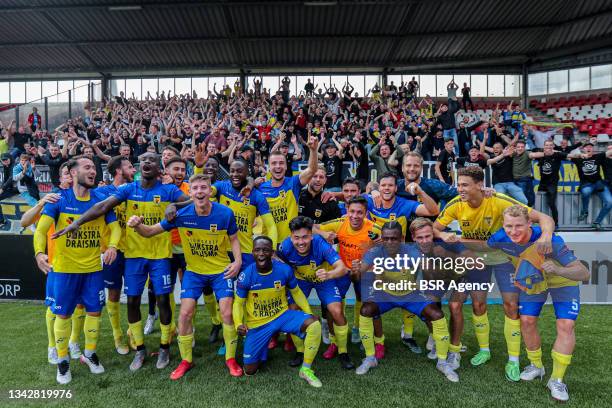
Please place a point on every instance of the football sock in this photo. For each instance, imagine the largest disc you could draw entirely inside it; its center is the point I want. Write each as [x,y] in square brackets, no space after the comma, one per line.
[408,323]
[61,330]
[481,327]
[379,340]
[184,343]
[512,332]
[92,331]
[341,337]
[298,343]
[441,337]
[78,320]
[230,336]
[560,363]
[112,308]
[50,321]
[137,333]
[366,331]
[165,334]
[211,305]
[454,349]
[535,357]
[356,311]
[311,343]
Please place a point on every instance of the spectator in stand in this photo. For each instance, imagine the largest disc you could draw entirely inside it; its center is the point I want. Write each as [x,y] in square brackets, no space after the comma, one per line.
[446,117]
[34,119]
[502,168]
[540,136]
[518,117]
[309,88]
[568,131]
[589,166]
[466,98]
[521,171]
[19,138]
[24,175]
[413,89]
[549,161]
[565,147]
[444,164]
[7,188]
[380,155]
[54,158]
[464,136]
[474,158]
[332,162]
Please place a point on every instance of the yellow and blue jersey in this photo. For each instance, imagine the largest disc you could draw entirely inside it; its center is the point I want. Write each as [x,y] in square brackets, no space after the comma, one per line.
[390,276]
[78,252]
[265,293]
[150,204]
[479,223]
[205,239]
[245,209]
[321,256]
[283,202]
[401,211]
[561,255]
[108,191]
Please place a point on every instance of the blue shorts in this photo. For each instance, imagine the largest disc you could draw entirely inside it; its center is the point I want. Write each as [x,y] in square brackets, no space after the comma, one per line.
[504,276]
[138,269]
[193,285]
[343,284]
[566,301]
[257,339]
[66,290]
[177,262]
[414,302]
[113,273]
[327,291]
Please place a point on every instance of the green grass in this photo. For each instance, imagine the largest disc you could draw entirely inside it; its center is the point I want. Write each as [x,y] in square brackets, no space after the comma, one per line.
[401,379]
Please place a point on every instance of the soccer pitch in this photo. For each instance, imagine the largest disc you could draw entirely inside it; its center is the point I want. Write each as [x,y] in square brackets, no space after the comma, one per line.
[402,379]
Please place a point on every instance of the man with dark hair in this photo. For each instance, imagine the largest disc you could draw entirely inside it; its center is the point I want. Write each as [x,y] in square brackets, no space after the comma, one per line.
[6,189]
[351,187]
[444,163]
[122,171]
[54,158]
[589,166]
[310,203]
[307,255]
[264,283]
[147,198]
[380,298]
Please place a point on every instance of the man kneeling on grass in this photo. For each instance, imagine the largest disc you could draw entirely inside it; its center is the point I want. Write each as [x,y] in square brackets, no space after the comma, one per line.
[262,287]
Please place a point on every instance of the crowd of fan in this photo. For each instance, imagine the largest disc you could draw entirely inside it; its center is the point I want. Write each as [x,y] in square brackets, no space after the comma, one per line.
[379,127]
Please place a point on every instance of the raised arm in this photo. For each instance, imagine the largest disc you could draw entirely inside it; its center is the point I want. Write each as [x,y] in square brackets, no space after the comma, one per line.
[94,212]
[144,230]
[313,161]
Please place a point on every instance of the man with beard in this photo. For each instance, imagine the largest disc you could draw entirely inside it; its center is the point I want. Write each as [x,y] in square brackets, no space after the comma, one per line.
[246,208]
[262,288]
[76,273]
[122,171]
[474,158]
[281,192]
[206,229]
[310,203]
[150,258]
[354,235]
[350,189]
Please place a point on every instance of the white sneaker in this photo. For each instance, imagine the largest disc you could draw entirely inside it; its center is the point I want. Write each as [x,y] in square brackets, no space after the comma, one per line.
[454,360]
[163,358]
[325,332]
[150,324]
[93,363]
[445,369]
[75,351]
[558,390]
[52,355]
[532,372]
[432,355]
[63,372]
[430,343]
[366,364]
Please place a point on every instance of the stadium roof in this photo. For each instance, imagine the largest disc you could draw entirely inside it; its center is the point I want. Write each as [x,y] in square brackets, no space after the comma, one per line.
[44,36]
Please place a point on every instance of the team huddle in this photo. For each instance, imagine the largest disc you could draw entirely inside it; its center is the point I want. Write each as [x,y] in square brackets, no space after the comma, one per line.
[244,245]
